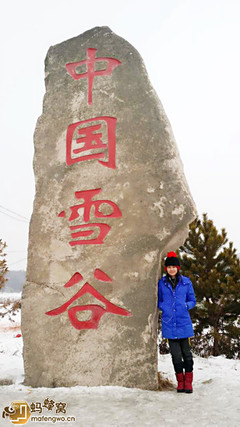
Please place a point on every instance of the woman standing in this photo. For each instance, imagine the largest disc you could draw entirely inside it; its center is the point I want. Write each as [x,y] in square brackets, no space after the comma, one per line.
[175,298]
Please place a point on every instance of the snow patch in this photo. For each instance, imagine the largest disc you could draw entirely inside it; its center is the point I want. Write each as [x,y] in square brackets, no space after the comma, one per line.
[163,233]
[150,190]
[151,256]
[161,185]
[179,211]
[12,296]
[160,205]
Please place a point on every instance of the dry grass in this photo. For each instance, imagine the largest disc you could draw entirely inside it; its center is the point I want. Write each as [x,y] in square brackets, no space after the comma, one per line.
[164,384]
[9,308]
[10,328]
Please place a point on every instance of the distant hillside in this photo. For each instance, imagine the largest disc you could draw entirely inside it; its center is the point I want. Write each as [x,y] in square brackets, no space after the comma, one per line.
[15,281]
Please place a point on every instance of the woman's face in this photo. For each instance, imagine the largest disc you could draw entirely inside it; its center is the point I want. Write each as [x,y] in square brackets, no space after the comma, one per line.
[172,270]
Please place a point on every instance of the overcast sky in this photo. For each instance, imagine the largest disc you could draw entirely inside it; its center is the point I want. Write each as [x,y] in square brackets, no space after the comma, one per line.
[191,51]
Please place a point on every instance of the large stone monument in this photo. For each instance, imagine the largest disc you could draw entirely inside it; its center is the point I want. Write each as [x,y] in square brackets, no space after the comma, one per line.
[111,197]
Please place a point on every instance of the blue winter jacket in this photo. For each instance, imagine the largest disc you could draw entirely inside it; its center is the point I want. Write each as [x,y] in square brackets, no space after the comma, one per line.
[176,320]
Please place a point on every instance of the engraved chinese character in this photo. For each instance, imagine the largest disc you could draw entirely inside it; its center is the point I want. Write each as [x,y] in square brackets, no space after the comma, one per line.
[89,205]
[74,69]
[97,310]
[92,139]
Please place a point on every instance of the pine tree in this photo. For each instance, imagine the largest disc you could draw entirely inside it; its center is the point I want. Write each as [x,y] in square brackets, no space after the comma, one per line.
[3,264]
[214,268]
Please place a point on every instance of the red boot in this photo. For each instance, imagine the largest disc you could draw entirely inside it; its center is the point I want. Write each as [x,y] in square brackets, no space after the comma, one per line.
[188,382]
[180,380]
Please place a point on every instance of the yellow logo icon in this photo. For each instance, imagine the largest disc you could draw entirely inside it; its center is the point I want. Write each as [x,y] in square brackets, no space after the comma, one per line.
[18,412]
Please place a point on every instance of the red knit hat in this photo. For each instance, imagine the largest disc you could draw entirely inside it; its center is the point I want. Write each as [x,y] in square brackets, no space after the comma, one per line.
[173,260]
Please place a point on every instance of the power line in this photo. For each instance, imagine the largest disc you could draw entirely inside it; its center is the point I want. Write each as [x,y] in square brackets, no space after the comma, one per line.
[15,213]
[18,219]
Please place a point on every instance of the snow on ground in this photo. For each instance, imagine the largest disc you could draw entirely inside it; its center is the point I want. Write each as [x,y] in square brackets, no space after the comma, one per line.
[13,296]
[214,402]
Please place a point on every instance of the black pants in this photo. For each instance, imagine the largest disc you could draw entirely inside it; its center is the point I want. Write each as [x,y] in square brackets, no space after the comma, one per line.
[181,355]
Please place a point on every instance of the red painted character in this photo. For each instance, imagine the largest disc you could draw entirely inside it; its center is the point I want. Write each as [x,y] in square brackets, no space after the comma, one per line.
[97,310]
[88,204]
[92,139]
[73,68]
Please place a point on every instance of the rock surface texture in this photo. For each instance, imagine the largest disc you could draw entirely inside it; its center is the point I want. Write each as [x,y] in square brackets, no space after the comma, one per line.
[111,197]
